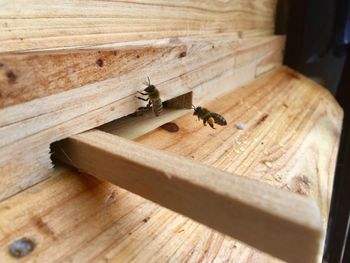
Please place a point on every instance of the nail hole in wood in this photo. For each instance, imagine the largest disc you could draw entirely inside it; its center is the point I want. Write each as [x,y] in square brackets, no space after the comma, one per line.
[99,62]
[21,247]
[11,76]
[182,54]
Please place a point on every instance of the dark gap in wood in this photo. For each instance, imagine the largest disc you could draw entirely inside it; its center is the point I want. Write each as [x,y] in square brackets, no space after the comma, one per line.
[178,103]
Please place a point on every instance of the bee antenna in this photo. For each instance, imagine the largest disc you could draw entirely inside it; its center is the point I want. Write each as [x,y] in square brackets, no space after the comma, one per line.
[147,83]
[193,107]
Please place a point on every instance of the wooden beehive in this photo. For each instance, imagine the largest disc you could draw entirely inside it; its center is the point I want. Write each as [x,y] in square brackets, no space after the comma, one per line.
[68,67]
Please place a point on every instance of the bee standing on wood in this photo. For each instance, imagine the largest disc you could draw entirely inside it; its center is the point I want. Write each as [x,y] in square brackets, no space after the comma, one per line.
[210,117]
[153,99]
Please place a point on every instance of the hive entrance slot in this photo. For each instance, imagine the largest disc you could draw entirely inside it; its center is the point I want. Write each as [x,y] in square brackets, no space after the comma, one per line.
[132,126]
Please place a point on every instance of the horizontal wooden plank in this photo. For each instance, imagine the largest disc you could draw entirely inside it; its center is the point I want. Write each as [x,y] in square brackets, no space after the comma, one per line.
[35,124]
[38,25]
[245,209]
[28,76]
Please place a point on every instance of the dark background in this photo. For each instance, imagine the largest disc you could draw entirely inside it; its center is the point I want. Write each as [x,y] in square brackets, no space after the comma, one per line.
[318,36]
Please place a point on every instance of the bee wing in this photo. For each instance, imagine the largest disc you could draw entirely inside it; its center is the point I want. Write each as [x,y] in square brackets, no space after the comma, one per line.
[218,118]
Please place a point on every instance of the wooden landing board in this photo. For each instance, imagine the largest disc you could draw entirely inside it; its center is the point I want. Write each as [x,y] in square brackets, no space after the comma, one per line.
[39,24]
[64,104]
[74,217]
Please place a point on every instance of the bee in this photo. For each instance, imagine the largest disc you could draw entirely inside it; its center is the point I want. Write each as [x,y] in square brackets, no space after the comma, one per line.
[208,116]
[153,99]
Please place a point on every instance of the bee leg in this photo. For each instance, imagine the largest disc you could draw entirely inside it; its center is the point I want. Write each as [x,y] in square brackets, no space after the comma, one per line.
[204,122]
[144,94]
[211,122]
[142,109]
[139,112]
[149,105]
[143,99]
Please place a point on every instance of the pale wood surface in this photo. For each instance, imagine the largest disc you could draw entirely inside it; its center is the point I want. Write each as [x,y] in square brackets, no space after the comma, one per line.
[131,127]
[75,217]
[35,24]
[32,75]
[78,218]
[245,209]
[290,139]
[64,109]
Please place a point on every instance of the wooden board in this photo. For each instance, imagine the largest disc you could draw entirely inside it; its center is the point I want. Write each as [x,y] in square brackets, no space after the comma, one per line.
[290,140]
[32,75]
[39,24]
[73,217]
[237,206]
[75,102]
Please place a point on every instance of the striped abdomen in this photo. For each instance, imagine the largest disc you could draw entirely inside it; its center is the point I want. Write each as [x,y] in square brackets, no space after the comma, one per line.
[218,119]
[157,106]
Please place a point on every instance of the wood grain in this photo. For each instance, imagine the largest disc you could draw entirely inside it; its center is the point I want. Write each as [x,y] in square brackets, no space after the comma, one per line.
[73,217]
[289,140]
[38,24]
[67,109]
[32,75]
[245,209]
[284,116]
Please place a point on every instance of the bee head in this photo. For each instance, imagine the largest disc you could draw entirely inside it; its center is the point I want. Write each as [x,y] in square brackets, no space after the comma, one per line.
[150,89]
[196,110]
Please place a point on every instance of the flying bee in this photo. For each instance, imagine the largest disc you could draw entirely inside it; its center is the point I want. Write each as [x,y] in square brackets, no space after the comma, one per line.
[153,99]
[208,116]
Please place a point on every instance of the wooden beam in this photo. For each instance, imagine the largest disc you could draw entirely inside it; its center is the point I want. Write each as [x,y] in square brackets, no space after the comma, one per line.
[68,108]
[37,25]
[254,213]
